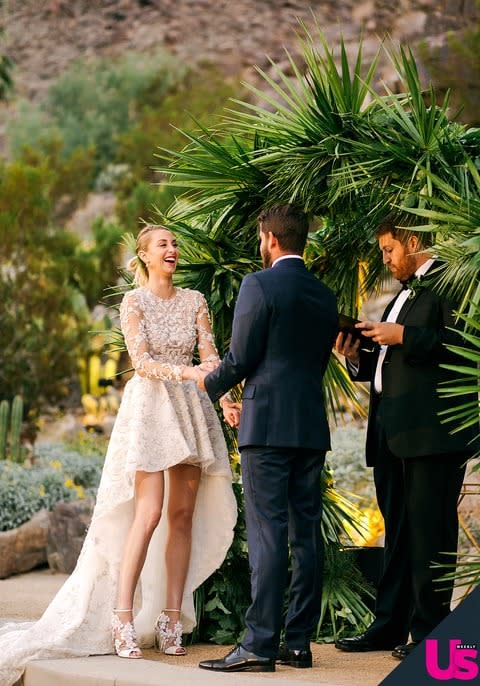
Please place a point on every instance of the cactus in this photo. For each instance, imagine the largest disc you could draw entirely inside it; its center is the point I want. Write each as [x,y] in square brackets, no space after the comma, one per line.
[15,428]
[4,415]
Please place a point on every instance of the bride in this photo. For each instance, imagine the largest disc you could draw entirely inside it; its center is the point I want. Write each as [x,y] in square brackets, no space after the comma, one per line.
[165,509]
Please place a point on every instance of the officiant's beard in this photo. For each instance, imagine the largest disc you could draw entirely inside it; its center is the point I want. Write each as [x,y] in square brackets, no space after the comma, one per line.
[266,258]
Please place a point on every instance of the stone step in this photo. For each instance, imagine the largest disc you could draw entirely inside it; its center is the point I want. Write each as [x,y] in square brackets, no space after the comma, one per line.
[112,671]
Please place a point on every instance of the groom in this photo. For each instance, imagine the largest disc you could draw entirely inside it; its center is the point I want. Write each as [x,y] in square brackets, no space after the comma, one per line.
[284,327]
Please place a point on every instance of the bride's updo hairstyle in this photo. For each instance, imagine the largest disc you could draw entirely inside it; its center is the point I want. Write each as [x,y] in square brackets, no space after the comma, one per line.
[136,265]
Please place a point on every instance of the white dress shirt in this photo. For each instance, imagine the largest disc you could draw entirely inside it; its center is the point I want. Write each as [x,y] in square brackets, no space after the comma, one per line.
[286,257]
[402,297]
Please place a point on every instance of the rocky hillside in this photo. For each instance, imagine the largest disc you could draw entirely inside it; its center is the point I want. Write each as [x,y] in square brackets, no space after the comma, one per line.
[43,37]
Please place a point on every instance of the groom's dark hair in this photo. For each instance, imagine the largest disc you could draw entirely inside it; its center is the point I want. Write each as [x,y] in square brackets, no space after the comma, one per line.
[288,223]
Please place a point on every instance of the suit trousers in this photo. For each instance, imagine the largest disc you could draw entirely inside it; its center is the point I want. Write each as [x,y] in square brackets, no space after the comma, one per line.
[418,500]
[283,504]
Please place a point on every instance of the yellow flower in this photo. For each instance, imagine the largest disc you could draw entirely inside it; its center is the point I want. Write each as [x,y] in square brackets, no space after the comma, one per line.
[56,464]
[41,490]
[68,483]
[80,492]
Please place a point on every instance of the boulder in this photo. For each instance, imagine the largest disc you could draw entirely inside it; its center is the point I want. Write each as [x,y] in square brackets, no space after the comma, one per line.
[25,547]
[68,523]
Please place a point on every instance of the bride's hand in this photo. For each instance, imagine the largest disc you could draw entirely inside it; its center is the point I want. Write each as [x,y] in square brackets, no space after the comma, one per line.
[208,366]
[191,374]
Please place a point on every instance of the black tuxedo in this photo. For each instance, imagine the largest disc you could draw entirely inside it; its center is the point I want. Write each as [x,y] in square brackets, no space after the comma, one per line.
[284,327]
[418,467]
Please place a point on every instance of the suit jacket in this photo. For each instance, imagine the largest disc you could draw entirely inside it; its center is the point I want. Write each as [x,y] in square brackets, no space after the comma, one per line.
[411,376]
[284,327]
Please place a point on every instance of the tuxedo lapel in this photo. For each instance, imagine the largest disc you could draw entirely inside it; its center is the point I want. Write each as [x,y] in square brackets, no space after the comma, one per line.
[389,307]
[407,306]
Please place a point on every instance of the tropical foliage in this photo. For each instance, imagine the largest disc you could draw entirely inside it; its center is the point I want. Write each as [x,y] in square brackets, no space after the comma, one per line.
[329,139]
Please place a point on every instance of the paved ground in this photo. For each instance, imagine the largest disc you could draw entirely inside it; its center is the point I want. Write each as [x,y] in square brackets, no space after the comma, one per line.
[26,596]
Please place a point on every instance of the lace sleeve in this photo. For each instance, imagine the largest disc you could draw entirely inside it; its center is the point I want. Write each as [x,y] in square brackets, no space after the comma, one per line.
[206,343]
[132,320]
[207,349]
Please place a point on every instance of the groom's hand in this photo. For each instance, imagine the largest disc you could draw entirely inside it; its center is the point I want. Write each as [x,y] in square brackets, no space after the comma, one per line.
[231,412]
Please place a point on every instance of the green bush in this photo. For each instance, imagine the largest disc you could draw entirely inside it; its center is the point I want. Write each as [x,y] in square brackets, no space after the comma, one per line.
[203,91]
[136,205]
[49,278]
[94,266]
[61,474]
[93,102]
[31,190]
[72,175]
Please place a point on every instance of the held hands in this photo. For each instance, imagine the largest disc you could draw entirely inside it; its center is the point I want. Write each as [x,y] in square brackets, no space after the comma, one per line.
[201,372]
[231,412]
[198,373]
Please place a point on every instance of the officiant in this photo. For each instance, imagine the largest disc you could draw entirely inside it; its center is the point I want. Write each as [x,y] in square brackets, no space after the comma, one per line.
[418,463]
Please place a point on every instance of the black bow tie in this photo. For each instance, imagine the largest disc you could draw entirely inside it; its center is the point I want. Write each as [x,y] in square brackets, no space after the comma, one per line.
[406,284]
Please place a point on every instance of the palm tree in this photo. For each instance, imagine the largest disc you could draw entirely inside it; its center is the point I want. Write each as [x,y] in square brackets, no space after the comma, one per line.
[326,139]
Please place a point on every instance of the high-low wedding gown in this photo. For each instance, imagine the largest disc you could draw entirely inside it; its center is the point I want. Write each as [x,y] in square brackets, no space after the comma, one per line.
[161,422]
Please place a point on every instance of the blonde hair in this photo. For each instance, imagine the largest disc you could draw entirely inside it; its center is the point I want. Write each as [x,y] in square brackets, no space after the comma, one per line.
[136,265]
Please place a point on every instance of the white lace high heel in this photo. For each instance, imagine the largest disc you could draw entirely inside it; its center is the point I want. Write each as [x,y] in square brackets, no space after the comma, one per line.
[168,640]
[125,638]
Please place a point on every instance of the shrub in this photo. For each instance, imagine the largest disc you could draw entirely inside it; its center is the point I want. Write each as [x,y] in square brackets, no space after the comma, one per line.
[203,91]
[48,277]
[61,474]
[93,102]
[137,204]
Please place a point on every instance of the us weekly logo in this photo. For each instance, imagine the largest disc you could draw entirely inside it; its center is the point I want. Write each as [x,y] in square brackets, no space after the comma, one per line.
[450,655]
[460,665]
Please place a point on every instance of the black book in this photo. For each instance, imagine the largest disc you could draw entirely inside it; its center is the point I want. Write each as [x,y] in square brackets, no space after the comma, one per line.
[346,325]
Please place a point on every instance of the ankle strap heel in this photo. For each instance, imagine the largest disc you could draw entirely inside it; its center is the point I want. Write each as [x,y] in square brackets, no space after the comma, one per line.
[125,637]
[168,638]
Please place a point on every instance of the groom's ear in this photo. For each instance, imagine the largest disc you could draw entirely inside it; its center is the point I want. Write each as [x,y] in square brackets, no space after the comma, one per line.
[272,241]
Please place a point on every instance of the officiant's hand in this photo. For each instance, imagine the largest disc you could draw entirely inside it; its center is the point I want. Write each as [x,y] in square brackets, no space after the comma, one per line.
[383,333]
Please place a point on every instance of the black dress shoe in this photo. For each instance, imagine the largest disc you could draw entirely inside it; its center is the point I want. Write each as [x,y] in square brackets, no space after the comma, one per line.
[403,651]
[363,643]
[294,658]
[240,660]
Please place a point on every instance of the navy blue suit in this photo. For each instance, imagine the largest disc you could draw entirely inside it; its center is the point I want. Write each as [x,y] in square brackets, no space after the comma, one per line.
[284,327]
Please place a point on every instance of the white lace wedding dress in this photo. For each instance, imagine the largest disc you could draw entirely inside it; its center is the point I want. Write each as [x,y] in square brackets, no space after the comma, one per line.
[161,422]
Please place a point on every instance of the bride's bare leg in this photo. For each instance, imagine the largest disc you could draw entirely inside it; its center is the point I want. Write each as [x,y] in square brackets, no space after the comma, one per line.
[149,490]
[184,480]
